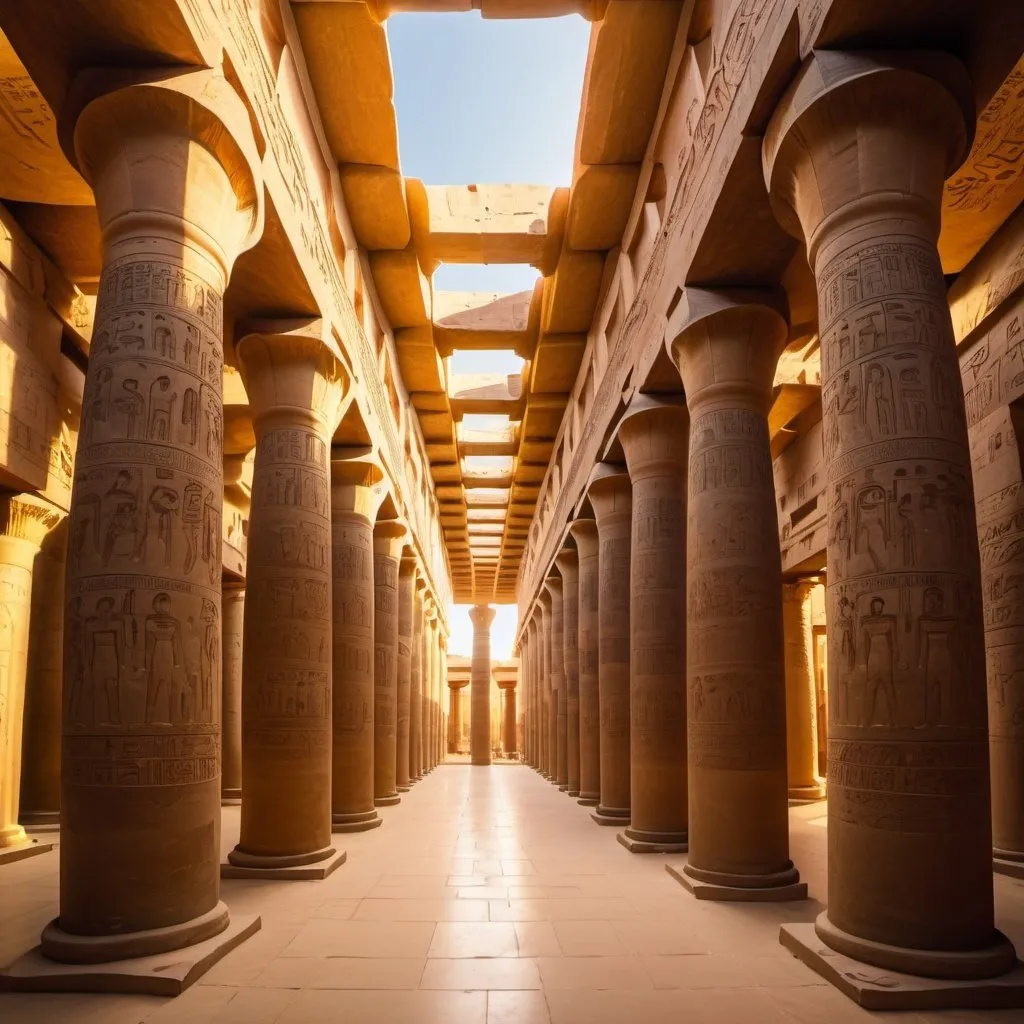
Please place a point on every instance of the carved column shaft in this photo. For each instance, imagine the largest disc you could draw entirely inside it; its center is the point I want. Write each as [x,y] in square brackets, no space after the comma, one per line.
[544,725]
[233,617]
[387,548]
[568,566]
[416,685]
[585,533]
[801,693]
[480,672]
[406,585]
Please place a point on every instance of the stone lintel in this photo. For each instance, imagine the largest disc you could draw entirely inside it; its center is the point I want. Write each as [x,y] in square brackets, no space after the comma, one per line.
[165,974]
[877,989]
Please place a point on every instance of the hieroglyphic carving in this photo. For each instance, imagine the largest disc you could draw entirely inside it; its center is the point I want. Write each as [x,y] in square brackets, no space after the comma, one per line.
[143,663]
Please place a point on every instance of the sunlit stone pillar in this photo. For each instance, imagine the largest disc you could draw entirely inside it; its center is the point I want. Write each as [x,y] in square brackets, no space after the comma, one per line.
[653,435]
[482,616]
[416,684]
[568,565]
[533,713]
[296,390]
[442,676]
[726,346]
[357,491]
[584,532]
[801,693]
[611,497]
[508,717]
[455,687]
[545,724]
[855,158]
[557,711]
[406,586]
[388,538]
[233,619]
[39,809]
[24,522]
[429,685]
[174,169]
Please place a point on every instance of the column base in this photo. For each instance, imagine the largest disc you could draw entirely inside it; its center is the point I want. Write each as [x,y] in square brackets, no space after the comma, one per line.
[386,801]
[783,892]
[361,822]
[230,797]
[27,848]
[807,794]
[70,948]
[611,816]
[887,989]
[160,974]
[1008,862]
[403,789]
[304,867]
[34,822]
[573,793]
[481,762]
[639,841]
[589,799]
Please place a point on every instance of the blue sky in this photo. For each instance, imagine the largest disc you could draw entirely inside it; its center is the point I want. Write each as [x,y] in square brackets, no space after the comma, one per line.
[486,101]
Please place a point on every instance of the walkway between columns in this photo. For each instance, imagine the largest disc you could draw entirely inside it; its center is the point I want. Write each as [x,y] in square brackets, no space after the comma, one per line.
[488,897]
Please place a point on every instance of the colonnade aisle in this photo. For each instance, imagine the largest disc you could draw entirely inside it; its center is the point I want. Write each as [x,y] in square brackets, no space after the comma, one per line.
[488,897]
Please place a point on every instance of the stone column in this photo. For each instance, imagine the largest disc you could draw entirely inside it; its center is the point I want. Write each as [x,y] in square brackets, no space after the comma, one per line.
[24,522]
[568,565]
[357,491]
[455,688]
[175,173]
[40,755]
[482,616]
[855,159]
[801,693]
[429,684]
[406,586]
[508,717]
[653,437]
[559,705]
[416,684]
[545,724]
[233,619]
[726,346]
[296,391]
[611,497]
[584,532]
[531,690]
[388,539]
[442,676]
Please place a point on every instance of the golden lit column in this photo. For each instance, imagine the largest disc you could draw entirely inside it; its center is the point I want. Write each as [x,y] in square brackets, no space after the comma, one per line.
[25,521]
[442,674]
[357,491]
[233,619]
[568,565]
[297,389]
[855,158]
[174,169]
[388,540]
[726,345]
[430,685]
[406,586]
[653,435]
[801,692]
[533,710]
[611,497]
[545,725]
[508,717]
[481,616]
[40,753]
[584,532]
[556,674]
[416,682]
[455,687]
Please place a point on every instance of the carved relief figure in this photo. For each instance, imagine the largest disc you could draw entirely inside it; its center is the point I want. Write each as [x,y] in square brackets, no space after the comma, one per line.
[209,660]
[165,663]
[878,637]
[936,657]
[106,642]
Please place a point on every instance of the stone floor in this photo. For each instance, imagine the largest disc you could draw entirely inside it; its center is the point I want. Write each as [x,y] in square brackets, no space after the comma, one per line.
[488,897]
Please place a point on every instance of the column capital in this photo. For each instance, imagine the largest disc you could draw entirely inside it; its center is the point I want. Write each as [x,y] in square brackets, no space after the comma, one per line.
[552,588]
[798,589]
[457,684]
[866,130]
[584,532]
[27,518]
[289,370]
[506,684]
[726,344]
[482,615]
[567,561]
[653,433]
[356,486]
[389,537]
[610,491]
[135,134]
[407,565]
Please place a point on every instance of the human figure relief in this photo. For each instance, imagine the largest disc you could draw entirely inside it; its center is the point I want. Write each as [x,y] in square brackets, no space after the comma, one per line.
[131,405]
[878,639]
[191,519]
[839,526]
[161,409]
[106,640]
[164,344]
[879,412]
[871,523]
[98,405]
[214,426]
[190,415]
[936,657]
[912,400]
[77,691]
[164,663]
[163,504]
[124,517]
[847,655]
[209,659]
[908,531]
